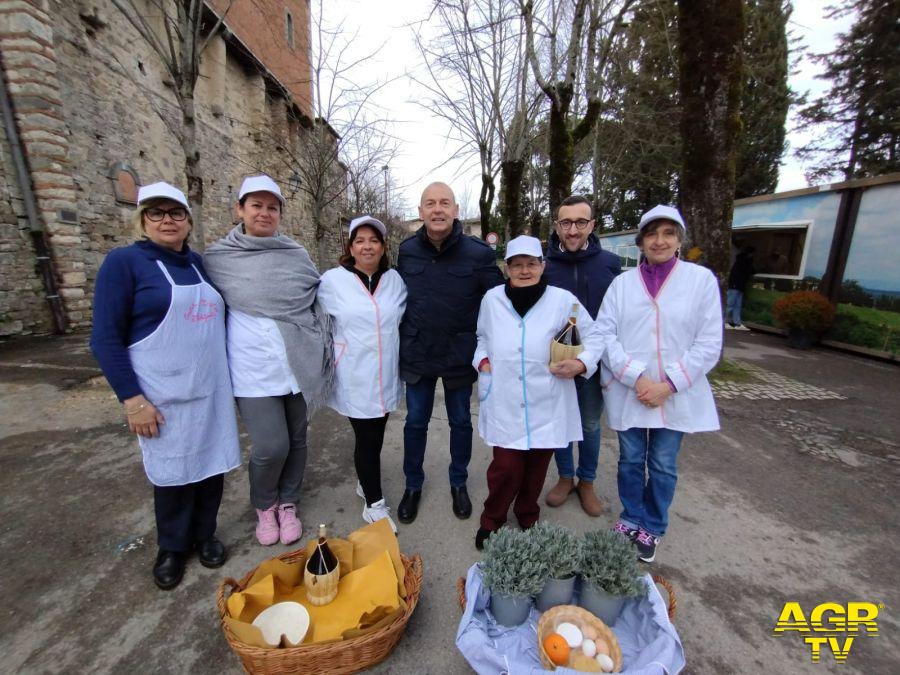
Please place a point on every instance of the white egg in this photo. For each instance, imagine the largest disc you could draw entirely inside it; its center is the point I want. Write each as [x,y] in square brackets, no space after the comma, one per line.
[606,663]
[571,633]
[589,648]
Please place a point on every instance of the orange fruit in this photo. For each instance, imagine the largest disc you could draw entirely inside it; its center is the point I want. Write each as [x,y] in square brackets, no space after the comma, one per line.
[557,649]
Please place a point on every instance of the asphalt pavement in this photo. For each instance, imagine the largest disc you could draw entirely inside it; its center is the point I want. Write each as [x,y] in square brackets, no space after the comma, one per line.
[794,500]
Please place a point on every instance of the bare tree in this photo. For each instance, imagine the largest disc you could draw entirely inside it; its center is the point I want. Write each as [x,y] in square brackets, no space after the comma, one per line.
[348,144]
[460,76]
[568,44]
[185,35]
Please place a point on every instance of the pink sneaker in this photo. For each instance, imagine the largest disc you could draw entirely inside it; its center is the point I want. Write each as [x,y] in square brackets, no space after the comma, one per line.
[267,527]
[291,529]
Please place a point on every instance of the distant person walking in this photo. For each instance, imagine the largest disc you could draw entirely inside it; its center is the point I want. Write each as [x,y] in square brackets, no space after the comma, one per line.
[577,263]
[159,336]
[662,325]
[446,274]
[741,273]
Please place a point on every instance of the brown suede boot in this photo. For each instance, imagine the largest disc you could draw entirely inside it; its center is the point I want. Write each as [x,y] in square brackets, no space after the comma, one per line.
[560,492]
[590,502]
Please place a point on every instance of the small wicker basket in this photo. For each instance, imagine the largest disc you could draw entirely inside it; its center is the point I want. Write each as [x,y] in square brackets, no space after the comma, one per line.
[580,617]
[344,656]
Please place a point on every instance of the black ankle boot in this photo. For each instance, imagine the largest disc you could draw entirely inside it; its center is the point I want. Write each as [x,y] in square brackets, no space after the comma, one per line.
[168,569]
[409,506]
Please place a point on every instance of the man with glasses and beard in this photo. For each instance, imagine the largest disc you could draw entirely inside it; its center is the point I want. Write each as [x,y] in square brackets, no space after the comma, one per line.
[577,263]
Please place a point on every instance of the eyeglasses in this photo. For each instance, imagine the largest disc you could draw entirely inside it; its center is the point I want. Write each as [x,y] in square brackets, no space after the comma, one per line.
[580,224]
[157,215]
[518,267]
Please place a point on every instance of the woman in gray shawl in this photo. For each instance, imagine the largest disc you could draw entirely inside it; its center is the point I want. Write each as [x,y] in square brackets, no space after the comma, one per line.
[279,350]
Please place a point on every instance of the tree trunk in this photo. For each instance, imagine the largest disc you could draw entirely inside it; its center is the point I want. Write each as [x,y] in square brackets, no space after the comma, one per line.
[192,173]
[560,152]
[485,201]
[513,173]
[710,37]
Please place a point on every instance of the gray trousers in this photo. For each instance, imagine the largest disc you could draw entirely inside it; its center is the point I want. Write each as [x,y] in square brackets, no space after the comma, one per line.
[277,427]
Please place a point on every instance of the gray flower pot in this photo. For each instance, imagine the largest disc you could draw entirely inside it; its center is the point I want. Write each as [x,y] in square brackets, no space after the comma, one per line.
[510,610]
[555,592]
[601,604]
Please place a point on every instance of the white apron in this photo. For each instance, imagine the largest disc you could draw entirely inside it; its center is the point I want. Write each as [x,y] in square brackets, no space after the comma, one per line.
[183,371]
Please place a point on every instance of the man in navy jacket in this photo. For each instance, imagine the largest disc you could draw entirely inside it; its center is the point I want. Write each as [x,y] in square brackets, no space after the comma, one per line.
[446,274]
[576,262]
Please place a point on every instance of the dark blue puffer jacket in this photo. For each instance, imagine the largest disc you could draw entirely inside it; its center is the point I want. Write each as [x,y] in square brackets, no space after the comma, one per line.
[437,333]
[586,273]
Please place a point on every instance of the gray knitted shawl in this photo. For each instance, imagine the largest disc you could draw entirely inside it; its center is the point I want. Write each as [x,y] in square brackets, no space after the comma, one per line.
[274,277]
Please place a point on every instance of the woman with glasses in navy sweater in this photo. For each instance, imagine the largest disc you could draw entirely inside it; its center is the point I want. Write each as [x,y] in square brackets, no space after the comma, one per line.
[159,336]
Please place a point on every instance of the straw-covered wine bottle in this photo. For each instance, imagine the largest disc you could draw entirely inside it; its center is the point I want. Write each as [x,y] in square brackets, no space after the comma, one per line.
[322,572]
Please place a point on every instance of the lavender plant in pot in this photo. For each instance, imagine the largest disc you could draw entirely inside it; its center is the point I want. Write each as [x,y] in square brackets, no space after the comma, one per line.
[559,550]
[609,574]
[512,573]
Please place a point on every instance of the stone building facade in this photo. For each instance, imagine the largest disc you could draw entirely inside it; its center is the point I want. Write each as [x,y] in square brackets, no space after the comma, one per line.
[94,111]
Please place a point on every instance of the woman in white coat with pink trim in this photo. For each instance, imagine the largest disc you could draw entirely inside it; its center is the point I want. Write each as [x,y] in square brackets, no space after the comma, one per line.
[662,325]
[366,300]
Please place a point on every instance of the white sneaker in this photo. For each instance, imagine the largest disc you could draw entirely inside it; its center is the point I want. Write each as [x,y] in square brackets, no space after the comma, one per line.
[741,326]
[359,490]
[728,326]
[378,511]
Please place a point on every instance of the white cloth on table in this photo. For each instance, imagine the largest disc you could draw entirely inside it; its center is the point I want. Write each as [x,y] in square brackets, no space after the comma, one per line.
[649,642]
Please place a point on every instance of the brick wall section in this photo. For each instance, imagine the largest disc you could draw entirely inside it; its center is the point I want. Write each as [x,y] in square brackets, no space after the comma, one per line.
[22,309]
[99,97]
[261,26]
[29,56]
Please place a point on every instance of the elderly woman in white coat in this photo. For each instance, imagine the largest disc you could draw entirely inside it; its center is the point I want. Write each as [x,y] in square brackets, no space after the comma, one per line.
[365,299]
[662,325]
[527,407]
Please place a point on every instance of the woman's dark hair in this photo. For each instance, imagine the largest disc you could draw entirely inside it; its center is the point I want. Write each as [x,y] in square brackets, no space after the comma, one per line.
[347,259]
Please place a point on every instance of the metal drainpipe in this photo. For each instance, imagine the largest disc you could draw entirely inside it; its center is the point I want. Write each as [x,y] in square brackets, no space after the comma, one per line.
[35,224]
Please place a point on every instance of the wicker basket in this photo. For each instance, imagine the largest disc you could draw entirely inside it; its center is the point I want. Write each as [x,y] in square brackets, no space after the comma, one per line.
[580,617]
[345,656]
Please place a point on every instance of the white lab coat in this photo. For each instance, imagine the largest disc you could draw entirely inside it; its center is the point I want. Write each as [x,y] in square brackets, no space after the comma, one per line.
[679,334]
[523,405]
[366,342]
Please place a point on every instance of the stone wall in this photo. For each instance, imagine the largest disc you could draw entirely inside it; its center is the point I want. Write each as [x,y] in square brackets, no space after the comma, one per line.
[89,93]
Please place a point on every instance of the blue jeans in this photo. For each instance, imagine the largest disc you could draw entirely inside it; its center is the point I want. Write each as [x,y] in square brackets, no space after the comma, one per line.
[734,300]
[646,500]
[590,403]
[419,404]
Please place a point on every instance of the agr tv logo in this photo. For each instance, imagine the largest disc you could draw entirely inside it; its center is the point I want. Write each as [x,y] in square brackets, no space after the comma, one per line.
[830,625]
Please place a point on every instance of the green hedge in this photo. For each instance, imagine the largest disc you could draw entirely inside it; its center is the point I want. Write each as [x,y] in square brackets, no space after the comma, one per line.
[862,326]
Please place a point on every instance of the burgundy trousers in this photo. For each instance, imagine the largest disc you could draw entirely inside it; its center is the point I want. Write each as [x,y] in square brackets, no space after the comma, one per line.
[515,475]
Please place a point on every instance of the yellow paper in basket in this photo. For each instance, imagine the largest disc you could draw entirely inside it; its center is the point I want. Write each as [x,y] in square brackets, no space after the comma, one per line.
[367,627]
[361,593]
[254,599]
[248,633]
[285,574]
[370,541]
